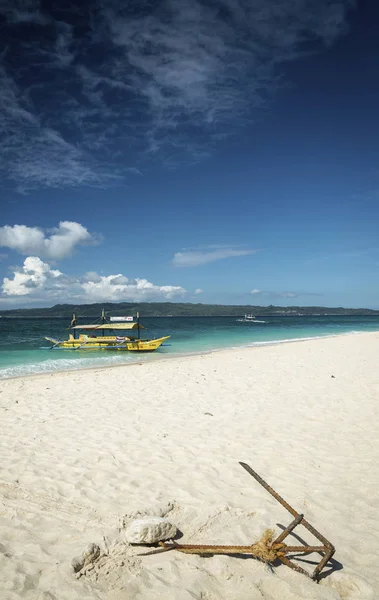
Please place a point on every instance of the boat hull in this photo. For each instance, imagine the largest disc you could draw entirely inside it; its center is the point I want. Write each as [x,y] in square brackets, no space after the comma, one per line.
[108,343]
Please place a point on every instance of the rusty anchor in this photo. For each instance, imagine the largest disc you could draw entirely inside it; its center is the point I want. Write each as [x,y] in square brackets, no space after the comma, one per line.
[267,549]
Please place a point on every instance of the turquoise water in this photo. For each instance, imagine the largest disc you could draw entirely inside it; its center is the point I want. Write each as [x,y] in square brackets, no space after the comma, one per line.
[21,339]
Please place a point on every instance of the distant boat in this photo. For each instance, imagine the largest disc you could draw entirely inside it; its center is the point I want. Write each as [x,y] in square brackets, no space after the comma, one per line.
[106,336]
[250,319]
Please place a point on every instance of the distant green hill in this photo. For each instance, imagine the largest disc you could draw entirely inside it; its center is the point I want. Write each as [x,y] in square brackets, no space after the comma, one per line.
[179,309]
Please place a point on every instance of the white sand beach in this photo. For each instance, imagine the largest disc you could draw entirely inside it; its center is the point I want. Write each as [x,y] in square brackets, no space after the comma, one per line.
[83,453]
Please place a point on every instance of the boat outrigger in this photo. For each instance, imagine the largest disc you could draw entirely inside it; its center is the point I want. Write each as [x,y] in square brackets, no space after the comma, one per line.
[107,335]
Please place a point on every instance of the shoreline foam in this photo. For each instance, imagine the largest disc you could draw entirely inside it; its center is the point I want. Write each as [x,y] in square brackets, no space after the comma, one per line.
[158,357]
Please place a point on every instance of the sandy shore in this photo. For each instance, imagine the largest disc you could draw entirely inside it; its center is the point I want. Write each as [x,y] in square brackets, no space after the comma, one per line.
[83,452]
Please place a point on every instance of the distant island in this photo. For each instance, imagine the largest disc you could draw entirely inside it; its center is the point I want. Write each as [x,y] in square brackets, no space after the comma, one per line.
[181,309]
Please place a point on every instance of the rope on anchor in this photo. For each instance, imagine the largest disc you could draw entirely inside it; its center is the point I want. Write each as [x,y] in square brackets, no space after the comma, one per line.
[264,549]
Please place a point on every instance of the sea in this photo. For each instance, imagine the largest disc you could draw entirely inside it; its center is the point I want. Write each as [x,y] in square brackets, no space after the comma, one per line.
[24,350]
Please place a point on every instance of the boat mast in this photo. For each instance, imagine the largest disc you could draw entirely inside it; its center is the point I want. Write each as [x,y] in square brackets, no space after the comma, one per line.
[73,323]
[138,325]
[103,319]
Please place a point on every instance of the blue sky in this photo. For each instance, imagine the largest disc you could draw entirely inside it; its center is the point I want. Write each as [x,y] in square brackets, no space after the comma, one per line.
[203,151]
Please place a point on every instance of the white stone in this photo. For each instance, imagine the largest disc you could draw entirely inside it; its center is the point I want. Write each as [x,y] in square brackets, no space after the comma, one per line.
[149,530]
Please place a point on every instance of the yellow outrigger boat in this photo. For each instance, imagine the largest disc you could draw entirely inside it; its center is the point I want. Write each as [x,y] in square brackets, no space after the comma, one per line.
[96,337]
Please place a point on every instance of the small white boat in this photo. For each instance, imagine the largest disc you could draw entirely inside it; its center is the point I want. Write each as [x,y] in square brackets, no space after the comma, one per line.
[250,319]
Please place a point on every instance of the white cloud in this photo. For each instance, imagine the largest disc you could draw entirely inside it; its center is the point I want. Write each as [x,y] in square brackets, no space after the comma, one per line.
[194,258]
[289,294]
[34,155]
[286,294]
[56,245]
[22,11]
[199,291]
[37,281]
[166,83]
[119,288]
[92,276]
[64,53]
[192,61]
[33,277]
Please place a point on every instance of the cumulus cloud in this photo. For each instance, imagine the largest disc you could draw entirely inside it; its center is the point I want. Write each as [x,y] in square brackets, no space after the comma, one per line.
[35,275]
[140,82]
[115,288]
[194,258]
[199,291]
[36,280]
[56,244]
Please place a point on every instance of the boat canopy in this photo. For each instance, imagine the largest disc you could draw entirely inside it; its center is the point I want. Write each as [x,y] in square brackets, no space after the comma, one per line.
[110,326]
